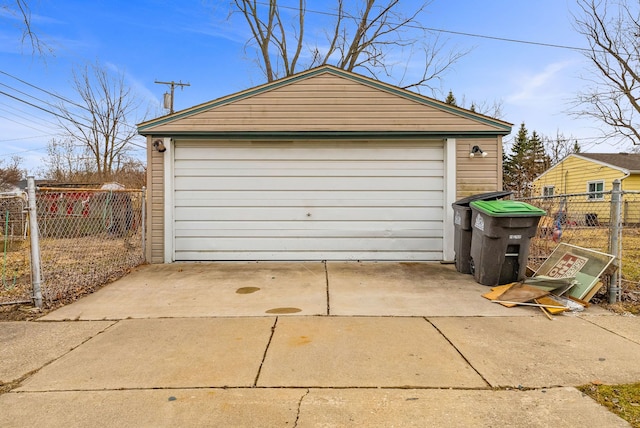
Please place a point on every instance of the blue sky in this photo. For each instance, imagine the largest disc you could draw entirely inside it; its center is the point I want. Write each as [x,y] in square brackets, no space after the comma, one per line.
[193,41]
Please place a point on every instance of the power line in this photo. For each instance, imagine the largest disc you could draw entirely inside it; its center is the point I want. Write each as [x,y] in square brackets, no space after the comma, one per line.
[506,39]
[23,151]
[33,105]
[24,138]
[85,108]
[72,115]
[44,90]
[62,117]
[28,95]
[440,30]
[30,116]
[20,123]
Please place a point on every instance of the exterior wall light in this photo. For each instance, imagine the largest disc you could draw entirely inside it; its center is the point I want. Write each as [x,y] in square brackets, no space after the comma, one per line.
[477,151]
[159,146]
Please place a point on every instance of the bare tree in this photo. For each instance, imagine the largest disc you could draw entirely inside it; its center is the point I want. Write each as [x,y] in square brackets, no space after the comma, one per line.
[21,10]
[100,122]
[493,109]
[11,174]
[560,147]
[68,162]
[612,94]
[363,36]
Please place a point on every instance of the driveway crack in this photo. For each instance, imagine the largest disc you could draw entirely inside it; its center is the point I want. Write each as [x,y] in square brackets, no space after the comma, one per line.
[295,424]
[466,360]
[326,276]
[266,349]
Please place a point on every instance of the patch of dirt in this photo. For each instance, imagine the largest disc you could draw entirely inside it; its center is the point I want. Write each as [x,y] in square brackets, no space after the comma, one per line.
[20,313]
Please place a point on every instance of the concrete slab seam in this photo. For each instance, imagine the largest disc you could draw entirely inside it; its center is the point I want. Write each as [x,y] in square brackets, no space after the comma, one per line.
[459,352]
[266,349]
[308,391]
[16,383]
[326,278]
[609,330]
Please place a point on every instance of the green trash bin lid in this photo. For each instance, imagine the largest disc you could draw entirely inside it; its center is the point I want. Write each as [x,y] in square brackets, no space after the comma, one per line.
[507,209]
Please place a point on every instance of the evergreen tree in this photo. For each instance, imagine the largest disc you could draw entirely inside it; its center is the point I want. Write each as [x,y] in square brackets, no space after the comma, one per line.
[512,166]
[524,163]
[576,147]
[451,100]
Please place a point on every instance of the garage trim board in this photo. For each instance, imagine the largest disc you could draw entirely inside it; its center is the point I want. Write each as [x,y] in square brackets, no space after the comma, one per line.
[306,200]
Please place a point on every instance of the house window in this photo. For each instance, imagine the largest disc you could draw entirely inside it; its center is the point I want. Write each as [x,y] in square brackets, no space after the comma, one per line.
[595,189]
[548,191]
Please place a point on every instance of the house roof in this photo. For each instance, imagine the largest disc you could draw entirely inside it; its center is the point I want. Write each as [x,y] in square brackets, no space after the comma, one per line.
[628,161]
[250,110]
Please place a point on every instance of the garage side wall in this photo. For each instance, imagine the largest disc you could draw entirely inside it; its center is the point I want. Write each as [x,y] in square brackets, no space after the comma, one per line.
[155,204]
[478,174]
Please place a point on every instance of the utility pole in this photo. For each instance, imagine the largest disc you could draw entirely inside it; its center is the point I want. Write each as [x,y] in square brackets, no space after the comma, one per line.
[168,98]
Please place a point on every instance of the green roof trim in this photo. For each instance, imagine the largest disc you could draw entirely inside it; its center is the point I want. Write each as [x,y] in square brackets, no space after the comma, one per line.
[502,126]
[323,135]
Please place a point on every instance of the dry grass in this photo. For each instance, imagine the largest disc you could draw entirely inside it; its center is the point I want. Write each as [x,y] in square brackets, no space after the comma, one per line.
[71,268]
[623,400]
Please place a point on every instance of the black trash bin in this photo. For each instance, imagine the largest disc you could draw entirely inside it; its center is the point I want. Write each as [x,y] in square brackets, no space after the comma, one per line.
[462,227]
[502,231]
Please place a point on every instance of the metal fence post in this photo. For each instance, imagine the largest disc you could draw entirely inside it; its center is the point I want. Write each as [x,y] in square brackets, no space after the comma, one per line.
[144,222]
[615,229]
[35,242]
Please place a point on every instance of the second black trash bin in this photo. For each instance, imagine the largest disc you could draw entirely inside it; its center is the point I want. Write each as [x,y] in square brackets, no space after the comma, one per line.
[502,231]
[462,227]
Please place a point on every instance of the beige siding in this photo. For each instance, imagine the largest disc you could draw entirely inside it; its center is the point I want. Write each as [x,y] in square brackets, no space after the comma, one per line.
[473,175]
[478,174]
[155,207]
[325,103]
[328,101]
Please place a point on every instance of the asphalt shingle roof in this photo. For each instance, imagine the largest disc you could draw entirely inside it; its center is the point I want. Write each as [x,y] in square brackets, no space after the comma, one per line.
[629,161]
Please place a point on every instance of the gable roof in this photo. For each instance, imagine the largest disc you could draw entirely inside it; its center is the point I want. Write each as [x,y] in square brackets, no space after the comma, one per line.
[627,161]
[324,100]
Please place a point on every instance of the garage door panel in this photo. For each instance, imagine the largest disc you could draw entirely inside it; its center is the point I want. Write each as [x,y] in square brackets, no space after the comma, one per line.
[319,230]
[337,198]
[306,183]
[345,244]
[316,151]
[311,255]
[301,168]
[309,213]
[308,201]
[339,226]
[200,173]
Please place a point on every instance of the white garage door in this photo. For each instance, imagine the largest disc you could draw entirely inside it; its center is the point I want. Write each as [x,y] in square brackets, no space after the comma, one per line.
[321,200]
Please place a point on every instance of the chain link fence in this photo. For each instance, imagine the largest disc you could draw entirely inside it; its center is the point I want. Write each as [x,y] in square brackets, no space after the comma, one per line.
[16,274]
[87,238]
[586,220]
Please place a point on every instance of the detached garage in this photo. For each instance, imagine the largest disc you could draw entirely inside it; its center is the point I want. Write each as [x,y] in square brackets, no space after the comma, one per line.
[323,165]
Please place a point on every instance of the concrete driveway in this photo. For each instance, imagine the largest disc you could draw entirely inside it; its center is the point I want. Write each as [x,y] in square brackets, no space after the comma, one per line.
[273,288]
[309,344]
